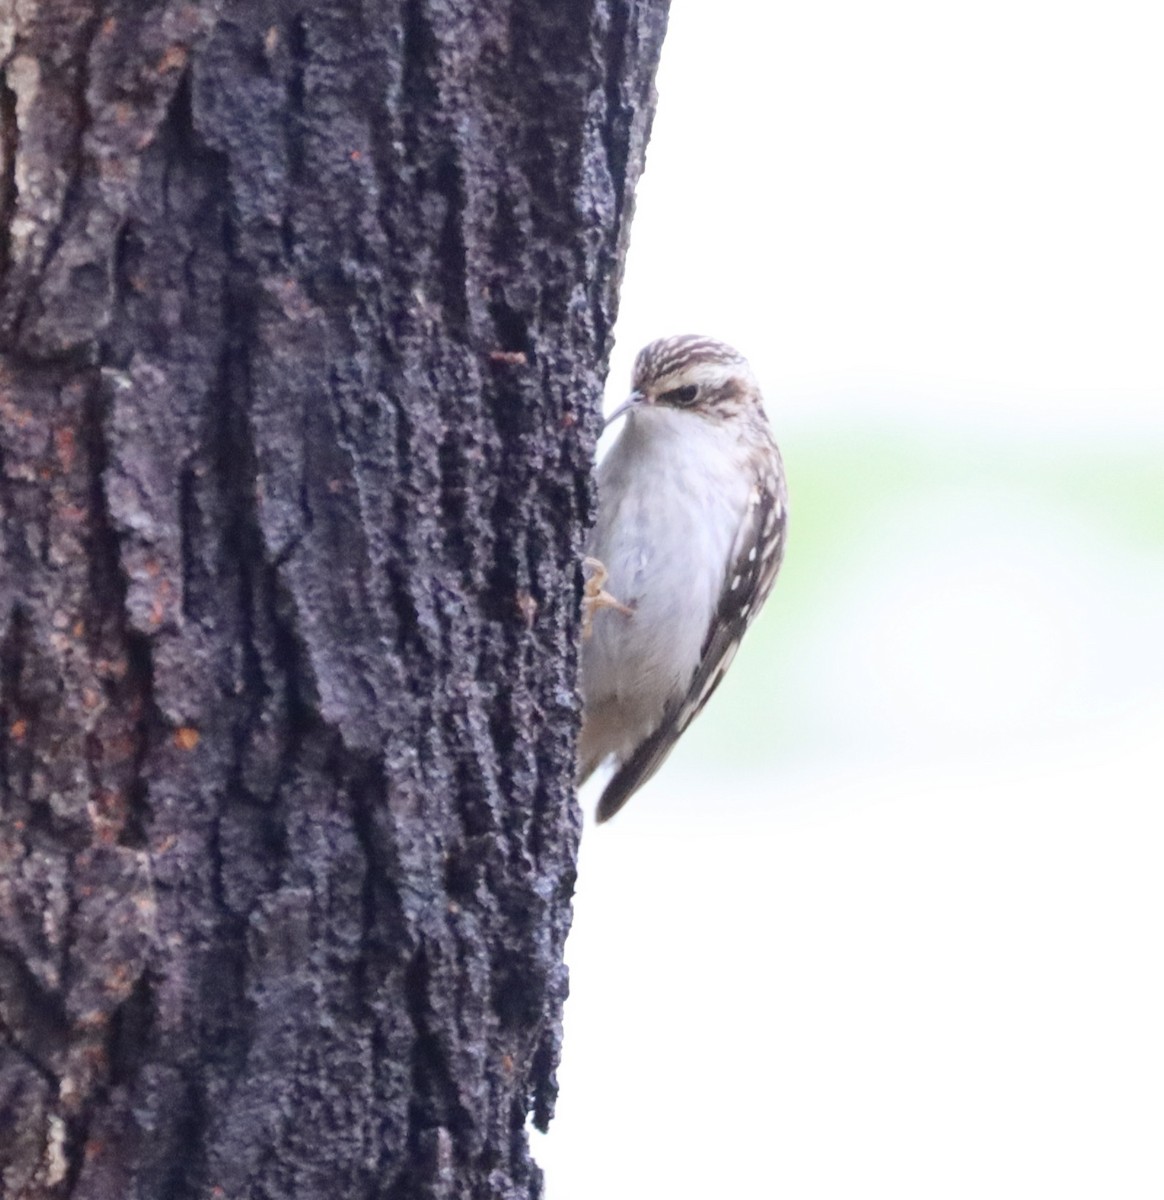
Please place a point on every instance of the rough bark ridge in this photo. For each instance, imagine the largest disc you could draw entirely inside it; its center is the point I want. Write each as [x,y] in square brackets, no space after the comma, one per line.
[304,317]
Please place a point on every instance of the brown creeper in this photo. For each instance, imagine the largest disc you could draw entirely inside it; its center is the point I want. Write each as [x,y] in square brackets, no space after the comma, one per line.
[690,534]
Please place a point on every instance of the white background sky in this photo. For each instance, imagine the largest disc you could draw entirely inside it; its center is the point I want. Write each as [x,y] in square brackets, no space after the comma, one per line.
[911,196]
[891,920]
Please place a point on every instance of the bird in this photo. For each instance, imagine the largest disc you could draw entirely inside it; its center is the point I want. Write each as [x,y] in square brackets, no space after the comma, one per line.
[689,536]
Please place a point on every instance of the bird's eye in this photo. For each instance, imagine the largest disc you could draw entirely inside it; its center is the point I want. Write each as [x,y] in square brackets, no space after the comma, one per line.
[680,395]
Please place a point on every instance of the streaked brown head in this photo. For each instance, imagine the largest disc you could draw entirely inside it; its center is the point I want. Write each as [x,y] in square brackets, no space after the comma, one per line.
[693,372]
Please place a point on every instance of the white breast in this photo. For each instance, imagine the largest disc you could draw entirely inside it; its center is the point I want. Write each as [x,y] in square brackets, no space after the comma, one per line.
[671,495]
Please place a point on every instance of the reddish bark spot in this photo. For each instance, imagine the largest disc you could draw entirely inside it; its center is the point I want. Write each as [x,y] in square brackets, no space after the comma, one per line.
[65,441]
[119,980]
[186,737]
[161,600]
[174,59]
[17,730]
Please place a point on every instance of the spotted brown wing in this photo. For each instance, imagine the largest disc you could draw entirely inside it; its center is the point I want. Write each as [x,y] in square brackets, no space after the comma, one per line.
[756,557]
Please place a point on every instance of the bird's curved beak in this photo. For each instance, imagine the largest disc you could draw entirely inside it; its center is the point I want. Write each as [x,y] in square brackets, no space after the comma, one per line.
[632,401]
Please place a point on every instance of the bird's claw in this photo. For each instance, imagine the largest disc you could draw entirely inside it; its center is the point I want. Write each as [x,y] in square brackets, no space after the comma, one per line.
[595,596]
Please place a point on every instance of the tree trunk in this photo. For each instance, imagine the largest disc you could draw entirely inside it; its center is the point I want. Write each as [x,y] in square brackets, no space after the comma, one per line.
[306,310]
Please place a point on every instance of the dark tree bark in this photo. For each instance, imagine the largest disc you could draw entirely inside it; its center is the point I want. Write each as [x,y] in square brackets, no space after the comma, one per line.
[305,314]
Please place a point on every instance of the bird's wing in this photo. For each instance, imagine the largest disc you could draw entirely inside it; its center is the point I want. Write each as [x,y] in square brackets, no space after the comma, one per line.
[755,559]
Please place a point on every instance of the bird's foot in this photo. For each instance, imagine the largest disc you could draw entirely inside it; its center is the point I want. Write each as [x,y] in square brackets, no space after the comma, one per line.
[595,596]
